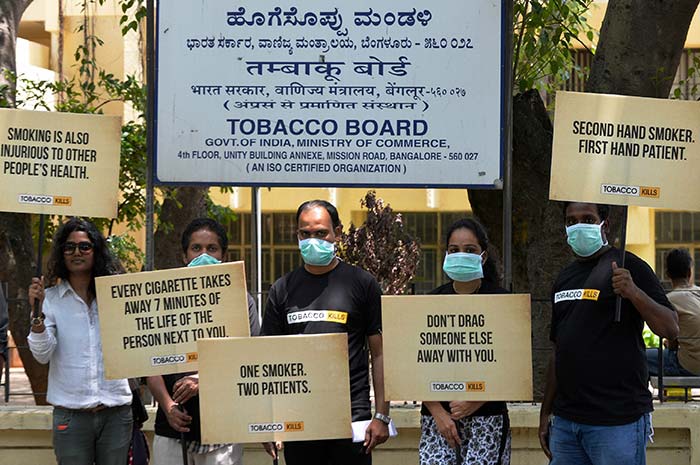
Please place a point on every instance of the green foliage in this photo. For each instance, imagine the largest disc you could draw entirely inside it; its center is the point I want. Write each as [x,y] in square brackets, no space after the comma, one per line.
[134,12]
[382,246]
[687,88]
[89,91]
[650,339]
[543,40]
[125,247]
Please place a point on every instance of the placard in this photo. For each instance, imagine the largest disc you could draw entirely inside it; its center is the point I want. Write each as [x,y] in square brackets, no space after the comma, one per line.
[279,388]
[59,163]
[150,322]
[457,347]
[620,150]
[331,93]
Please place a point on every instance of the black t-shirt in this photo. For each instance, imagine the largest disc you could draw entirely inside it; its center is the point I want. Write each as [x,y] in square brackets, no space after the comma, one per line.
[601,369]
[303,303]
[489,408]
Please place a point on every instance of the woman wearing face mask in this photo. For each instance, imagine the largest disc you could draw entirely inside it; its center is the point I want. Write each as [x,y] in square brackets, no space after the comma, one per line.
[464,432]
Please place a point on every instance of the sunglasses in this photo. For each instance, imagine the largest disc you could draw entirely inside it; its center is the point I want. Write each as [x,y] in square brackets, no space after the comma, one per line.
[84,247]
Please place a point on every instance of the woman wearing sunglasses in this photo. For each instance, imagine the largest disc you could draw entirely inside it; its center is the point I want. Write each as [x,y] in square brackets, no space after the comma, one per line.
[92,418]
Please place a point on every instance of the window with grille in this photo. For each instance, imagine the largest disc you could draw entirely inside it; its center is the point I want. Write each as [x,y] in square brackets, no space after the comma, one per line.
[676,230]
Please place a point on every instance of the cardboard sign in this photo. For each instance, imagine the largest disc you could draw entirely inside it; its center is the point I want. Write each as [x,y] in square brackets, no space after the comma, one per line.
[59,163]
[457,347]
[150,322]
[280,388]
[620,150]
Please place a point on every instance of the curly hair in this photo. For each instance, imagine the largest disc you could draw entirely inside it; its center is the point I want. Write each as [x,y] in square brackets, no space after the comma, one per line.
[490,270]
[105,264]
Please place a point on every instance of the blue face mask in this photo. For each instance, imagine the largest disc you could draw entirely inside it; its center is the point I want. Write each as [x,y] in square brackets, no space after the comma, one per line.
[585,239]
[204,259]
[317,252]
[463,267]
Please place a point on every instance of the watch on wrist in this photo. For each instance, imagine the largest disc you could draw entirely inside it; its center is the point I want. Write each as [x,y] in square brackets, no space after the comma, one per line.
[386,419]
[38,320]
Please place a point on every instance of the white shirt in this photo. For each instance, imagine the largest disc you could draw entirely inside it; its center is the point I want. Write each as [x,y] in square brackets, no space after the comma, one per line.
[71,342]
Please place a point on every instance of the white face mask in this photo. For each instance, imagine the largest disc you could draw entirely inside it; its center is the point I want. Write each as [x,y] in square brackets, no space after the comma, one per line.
[463,267]
[585,239]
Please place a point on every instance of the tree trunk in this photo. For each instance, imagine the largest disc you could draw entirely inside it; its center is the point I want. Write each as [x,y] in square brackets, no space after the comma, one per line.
[539,246]
[179,208]
[17,259]
[640,46]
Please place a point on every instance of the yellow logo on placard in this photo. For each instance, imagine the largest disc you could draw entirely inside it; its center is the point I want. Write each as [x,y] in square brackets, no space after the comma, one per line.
[294,426]
[652,192]
[337,317]
[590,294]
[62,201]
[476,386]
[192,357]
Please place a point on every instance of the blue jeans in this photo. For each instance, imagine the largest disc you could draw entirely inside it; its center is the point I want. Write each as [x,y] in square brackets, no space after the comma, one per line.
[578,444]
[672,366]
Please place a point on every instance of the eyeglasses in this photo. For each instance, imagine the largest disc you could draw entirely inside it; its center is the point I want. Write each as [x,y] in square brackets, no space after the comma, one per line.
[84,247]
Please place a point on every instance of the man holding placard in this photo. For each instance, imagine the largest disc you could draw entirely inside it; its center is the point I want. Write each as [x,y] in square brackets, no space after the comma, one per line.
[597,378]
[204,242]
[326,295]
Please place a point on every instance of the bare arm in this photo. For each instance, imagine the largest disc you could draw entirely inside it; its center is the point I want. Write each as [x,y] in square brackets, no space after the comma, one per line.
[42,338]
[550,390]
[377,432]
[177,419]
[661,320]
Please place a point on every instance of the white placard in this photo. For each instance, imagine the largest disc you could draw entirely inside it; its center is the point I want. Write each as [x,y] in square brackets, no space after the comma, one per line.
[326,93]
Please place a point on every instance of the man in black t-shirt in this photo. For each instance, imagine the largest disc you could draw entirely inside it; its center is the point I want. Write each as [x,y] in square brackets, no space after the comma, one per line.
[597,378]
[327,295]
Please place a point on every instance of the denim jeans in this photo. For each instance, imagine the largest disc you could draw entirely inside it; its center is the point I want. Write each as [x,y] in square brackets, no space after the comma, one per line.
[100,438]
[672,367]
[578,444]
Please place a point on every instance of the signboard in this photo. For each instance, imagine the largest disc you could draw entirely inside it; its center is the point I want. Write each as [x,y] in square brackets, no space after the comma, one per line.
[613,149]
[330,93]
[280,388]
[59,163]
[150,322]
[457,347]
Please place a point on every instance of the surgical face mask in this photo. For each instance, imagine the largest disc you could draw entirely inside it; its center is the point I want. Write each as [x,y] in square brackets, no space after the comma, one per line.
[463,267]
[204,259]
[585,239]
[317,252]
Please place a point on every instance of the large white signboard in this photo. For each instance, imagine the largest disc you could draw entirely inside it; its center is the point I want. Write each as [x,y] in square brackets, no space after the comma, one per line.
[330,93]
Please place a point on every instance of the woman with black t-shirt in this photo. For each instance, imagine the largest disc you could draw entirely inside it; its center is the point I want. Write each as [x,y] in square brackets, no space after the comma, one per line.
[459,431]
